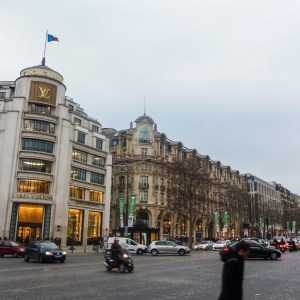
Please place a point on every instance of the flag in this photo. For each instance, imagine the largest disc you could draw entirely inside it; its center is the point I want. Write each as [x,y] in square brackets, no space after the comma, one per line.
[52,38]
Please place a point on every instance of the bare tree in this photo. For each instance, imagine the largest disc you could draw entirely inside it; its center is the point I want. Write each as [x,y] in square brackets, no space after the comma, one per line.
[189,182]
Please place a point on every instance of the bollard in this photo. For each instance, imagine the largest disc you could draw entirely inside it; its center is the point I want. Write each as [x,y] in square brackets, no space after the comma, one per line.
[84,250]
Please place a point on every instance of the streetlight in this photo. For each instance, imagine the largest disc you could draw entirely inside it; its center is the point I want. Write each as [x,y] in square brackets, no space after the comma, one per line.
[73,222]
[158,227]
[127,169]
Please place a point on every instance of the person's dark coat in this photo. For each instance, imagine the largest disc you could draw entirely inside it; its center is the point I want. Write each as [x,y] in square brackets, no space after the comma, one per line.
[232,277]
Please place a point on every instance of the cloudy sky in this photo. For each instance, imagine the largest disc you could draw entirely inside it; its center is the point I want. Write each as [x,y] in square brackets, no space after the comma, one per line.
[220,76]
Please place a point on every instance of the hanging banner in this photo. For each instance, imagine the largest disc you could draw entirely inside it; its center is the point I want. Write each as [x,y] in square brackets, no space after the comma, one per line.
[217,220]
[293,226]
[260,224]
[132,201]
[225,221]
[121,206]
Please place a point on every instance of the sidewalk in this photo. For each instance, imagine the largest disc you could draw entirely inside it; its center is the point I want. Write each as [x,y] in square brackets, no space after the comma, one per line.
[83,249]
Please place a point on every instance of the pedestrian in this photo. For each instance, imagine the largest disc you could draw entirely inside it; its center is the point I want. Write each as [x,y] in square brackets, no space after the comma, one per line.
[59,242]
[233,270]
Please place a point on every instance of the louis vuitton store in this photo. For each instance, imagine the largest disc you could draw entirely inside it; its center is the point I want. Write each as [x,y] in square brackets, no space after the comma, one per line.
[47,191]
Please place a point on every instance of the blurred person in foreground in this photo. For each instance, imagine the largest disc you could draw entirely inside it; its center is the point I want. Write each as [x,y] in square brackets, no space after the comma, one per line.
[233,271]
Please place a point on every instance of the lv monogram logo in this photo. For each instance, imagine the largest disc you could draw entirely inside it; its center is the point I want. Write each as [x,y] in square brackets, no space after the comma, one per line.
[44,93]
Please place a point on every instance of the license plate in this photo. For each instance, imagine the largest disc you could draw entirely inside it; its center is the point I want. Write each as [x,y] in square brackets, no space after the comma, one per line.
[58,256]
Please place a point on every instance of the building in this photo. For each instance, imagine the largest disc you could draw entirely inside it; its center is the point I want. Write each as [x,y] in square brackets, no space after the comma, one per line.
[273,208]
[54,179]
[141,156]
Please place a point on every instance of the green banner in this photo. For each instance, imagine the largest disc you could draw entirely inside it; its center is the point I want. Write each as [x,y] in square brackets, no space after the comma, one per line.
[132,201]
[121,207]
[217,218]
[225,218]
[294,225]
[260,222]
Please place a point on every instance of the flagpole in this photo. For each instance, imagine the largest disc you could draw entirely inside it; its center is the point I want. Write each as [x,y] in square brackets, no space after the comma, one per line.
[44,58]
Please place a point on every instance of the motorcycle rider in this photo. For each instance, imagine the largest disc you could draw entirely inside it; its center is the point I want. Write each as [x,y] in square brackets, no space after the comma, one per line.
[115,249]
[275,243]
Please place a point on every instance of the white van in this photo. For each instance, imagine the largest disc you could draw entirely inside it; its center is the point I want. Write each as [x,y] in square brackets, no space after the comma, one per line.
[128,244]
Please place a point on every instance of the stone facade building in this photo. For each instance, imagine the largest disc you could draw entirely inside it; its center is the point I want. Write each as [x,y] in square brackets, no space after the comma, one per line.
[141,156]
[54,180]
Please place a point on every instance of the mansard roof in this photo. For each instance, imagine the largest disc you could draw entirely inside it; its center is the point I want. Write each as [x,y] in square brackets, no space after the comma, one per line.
[144,119]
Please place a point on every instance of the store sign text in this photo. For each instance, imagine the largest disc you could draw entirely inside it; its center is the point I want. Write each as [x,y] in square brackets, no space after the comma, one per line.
[33,196]
[38,73]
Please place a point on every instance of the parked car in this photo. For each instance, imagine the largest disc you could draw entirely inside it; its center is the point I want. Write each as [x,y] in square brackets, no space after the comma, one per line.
[11,248]
[167,247]
[129,244]
[204,245]
[256,251]
[221,244]
[44,251]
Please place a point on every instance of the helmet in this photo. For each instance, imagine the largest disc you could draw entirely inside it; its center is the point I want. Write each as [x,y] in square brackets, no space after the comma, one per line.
[116,239]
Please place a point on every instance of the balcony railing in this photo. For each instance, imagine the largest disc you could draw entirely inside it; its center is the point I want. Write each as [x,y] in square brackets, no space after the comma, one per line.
[143,201]
[144,185]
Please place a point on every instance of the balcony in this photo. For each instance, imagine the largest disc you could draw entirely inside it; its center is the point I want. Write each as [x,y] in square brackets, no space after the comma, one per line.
[142,200]
[162,188]
[144,185]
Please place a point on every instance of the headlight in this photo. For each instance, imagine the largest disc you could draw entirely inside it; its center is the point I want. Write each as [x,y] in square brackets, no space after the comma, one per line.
[21,249]
[64,253]
[125,255]
[48,253]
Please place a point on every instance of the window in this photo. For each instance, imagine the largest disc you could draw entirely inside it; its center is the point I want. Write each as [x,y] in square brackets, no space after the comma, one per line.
[77,173]
[143,196]
[79,155]
[34,125]
[96,196]
[77,121]
[99,144]
[71,108]
[77,192]
[156,198]
[95,128]
[143,166]
[37,145]
[42,109]
[97,178]
[144,151]
[81,137]
[98,161]
[33,186]
[144,181]
[37,165]
[161,199]
[115,142]
[2,95]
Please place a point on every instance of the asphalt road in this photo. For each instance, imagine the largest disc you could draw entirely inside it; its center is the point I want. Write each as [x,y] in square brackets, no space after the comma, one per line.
[194,276]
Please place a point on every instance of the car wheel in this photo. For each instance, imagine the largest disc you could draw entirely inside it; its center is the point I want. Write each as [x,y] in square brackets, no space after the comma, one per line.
[41,260]
[273,256]
[15,254]
[139,252]
[108,269]
[122,268]
[181,252]
[62,261]
[26,258]
[154,252]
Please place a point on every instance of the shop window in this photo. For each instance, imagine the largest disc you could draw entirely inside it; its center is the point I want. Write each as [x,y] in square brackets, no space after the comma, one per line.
[34,125]
[96,196]
[79,155]
[77,192]
[94,224]
[33,186]
[75,225]
[35,165]
[98,161]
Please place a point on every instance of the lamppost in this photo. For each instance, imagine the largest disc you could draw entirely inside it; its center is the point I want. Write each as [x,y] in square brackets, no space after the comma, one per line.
[158,227]
[127,168]
[73,233]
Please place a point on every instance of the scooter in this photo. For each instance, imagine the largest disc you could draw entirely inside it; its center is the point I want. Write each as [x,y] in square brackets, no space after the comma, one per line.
[122,261]
[282,248]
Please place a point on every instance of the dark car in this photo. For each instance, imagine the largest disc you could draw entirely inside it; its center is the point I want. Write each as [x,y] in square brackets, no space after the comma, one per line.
[262,242]
[44,251]
[11,248]
[257,251]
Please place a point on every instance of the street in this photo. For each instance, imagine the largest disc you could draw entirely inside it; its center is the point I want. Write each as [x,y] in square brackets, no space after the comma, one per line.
[194,276]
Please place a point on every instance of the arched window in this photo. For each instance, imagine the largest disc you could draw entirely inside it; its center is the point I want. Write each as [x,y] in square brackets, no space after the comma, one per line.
[166,224]
[143,215]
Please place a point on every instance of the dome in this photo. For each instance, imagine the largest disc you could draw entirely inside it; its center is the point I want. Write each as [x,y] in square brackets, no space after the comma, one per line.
[144,119]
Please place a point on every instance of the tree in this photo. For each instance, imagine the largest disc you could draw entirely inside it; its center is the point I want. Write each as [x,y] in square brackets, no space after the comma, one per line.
[189,182]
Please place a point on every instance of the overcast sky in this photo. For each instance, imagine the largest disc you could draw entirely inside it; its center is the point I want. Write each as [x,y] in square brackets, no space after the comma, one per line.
[220,76]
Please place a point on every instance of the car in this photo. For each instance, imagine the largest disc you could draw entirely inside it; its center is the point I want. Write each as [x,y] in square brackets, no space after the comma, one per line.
[167,247]
[44,251]
[204,245]
[8,247]
[221,244]
[262,242]
[256,251]
[129,244]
